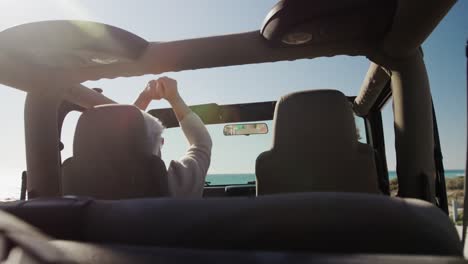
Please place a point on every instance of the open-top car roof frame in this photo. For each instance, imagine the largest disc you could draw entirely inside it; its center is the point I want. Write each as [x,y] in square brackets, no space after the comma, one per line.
[396,51]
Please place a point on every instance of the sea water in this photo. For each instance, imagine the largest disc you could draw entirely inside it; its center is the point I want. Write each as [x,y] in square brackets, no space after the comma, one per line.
[244,178]
[448,174]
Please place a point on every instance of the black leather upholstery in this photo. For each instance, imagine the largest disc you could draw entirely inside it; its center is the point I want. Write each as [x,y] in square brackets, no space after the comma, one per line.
[312,222]
[22,243]
[113,156]
[315,147]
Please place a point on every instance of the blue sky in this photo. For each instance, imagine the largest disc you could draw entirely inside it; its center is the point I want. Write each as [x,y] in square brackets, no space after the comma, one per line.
[177,19]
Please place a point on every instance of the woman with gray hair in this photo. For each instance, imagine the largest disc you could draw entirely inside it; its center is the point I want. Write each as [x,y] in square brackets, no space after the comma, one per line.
[186,176]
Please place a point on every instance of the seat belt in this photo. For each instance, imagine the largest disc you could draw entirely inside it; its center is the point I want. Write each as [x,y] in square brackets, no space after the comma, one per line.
[465,196]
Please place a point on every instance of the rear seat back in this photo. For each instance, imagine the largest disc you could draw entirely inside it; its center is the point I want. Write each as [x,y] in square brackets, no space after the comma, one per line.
[113,156]
[315,147]
[310,222]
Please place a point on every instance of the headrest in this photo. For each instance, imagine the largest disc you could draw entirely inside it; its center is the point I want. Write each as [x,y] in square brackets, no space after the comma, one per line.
[315,120]
[111,132]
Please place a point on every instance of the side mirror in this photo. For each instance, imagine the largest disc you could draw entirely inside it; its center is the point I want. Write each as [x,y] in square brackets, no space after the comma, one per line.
[245,129]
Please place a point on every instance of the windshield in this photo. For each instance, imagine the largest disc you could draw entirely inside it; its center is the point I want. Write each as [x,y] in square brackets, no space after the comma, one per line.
[233,157]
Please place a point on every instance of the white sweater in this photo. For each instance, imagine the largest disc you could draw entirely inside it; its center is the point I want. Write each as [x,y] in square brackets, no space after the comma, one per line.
[187,175]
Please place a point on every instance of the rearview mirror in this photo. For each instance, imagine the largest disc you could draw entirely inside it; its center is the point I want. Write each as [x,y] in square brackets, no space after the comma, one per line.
[245,129]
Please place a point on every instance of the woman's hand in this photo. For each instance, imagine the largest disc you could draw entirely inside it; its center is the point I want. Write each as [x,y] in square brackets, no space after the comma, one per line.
[162,88]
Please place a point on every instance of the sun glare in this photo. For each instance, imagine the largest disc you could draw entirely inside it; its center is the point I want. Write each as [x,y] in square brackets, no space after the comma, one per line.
[75,8]
[17,12]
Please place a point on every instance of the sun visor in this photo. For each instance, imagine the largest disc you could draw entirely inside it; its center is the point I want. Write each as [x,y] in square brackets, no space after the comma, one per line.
[305,22]
[70,44]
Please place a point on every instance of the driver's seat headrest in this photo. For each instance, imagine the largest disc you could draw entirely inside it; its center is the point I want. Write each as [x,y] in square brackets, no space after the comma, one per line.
[112,156]
[111,131]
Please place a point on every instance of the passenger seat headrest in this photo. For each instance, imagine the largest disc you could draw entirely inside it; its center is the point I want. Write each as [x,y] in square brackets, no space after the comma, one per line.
[111,132]
[316,148]
[314,120]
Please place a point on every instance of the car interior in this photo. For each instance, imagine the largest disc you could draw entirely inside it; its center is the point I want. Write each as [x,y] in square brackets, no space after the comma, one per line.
[320,195]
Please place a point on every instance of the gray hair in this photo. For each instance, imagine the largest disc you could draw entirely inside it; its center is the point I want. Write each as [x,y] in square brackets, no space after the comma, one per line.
[154,130]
